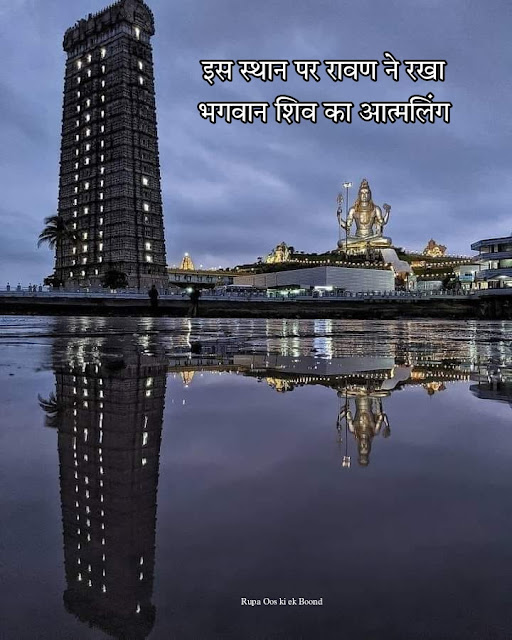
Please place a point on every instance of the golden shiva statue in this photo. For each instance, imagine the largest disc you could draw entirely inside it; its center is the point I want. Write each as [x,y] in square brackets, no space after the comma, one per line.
[369,222]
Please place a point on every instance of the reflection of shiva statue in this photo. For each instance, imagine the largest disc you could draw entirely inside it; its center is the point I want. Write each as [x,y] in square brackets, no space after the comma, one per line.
[369,222]
[368,421]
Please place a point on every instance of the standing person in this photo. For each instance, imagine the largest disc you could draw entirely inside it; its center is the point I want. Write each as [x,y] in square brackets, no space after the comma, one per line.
[194,300]
[153,297]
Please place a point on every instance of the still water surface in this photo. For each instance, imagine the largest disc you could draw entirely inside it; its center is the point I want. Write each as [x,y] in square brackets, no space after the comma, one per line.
[155,472]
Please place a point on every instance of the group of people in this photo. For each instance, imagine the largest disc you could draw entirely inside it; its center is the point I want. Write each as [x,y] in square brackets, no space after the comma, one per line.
[195,294]
[32,288]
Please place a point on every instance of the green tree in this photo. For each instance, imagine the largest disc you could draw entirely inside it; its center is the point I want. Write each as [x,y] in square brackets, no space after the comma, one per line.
[448,282]
[53,281]
[114,279]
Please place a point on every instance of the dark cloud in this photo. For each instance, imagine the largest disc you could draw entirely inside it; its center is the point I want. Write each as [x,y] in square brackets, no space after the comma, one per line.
[232,192]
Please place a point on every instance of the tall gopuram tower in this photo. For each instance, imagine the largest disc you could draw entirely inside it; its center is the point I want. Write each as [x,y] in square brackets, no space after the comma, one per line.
[110,193]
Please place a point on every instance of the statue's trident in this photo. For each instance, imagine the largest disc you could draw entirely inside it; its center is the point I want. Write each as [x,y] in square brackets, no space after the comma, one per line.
[339,212]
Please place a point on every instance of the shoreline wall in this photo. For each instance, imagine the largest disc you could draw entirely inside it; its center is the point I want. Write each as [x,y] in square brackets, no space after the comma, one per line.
[457,308]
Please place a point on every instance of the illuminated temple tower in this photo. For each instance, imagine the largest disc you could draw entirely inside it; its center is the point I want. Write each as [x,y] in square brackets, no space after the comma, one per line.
[108,410]
[110,192]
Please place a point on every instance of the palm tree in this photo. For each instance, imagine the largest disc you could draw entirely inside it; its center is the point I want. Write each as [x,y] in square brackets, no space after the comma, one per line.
[55,231]
[54,410]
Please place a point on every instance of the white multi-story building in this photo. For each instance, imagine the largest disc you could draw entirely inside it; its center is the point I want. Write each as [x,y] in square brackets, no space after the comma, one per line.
[495,260]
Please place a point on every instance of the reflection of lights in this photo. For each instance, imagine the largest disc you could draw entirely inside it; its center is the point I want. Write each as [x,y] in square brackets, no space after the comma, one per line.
[346,462]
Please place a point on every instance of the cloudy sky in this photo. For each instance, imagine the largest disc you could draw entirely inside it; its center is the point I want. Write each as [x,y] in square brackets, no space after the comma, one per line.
[232,192]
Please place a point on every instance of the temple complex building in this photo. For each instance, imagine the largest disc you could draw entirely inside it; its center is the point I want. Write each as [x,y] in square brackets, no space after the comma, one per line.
[187,263]
[110,193]
[434,250]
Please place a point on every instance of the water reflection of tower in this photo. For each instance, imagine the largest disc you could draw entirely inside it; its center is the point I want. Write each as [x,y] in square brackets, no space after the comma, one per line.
[111,403]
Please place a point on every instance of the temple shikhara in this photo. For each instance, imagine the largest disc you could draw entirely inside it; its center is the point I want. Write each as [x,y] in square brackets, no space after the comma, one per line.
[110,193]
